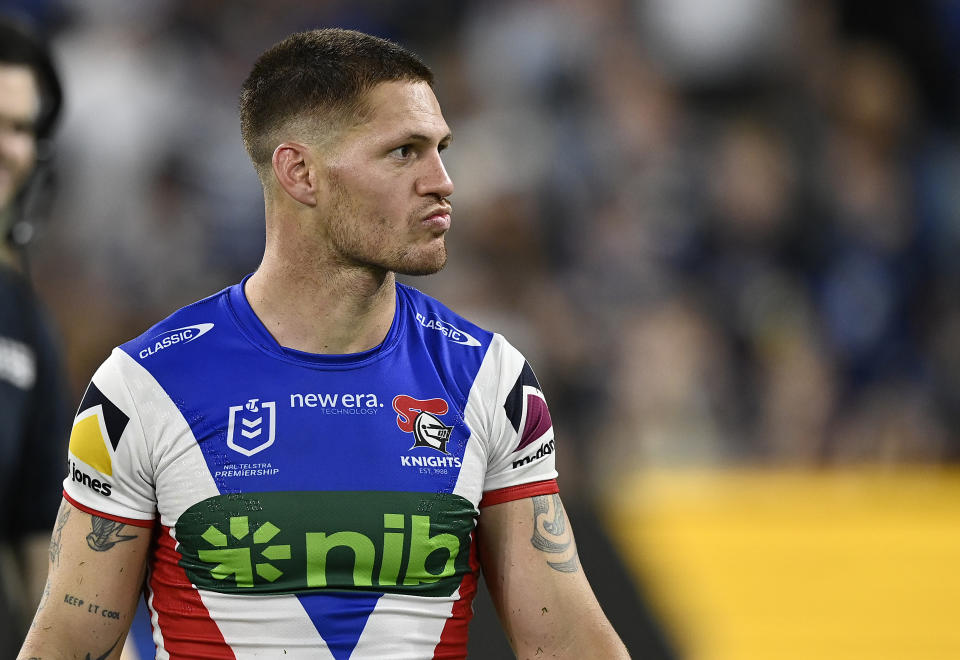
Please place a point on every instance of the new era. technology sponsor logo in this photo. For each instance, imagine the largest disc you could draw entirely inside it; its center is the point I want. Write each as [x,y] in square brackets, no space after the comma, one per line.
[246,425]
[171,338]
[448,330]
[338,403]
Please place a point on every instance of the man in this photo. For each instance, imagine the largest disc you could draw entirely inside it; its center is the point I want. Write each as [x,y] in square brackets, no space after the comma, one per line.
[316,462]
[32,402]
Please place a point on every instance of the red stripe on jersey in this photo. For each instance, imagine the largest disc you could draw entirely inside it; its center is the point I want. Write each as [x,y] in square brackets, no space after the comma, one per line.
[453,638]
[109,516]
[511,493]
[185,624]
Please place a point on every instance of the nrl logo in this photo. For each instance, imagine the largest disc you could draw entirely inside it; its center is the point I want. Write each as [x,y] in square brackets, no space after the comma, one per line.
[420,418]
[251,425]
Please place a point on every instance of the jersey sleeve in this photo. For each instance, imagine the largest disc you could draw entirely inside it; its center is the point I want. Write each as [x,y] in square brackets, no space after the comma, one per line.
[109,468]
[520,444]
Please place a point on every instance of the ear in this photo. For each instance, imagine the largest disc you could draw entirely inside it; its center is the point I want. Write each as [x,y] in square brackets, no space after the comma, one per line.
[293,169]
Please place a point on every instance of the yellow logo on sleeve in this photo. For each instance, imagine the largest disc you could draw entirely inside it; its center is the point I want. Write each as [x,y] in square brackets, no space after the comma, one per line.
[87,443]
[99,422]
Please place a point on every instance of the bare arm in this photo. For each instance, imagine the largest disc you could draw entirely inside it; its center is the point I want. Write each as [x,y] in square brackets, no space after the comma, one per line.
[530,562]
[96,570]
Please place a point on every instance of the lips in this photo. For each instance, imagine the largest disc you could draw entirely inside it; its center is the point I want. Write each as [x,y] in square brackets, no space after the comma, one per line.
[437,219]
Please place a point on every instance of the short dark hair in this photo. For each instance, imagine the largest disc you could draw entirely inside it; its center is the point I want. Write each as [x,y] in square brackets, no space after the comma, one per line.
[322,73]
[19,45]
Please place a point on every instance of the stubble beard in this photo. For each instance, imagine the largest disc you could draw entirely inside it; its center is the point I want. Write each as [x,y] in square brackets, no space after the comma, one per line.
[371,248]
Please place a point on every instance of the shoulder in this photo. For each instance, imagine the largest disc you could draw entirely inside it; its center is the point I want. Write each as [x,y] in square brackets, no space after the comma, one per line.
[433,320]
[185,326]
[481,357]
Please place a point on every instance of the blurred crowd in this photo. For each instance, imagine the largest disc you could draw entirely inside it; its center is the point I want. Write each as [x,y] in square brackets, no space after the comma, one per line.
[721,231]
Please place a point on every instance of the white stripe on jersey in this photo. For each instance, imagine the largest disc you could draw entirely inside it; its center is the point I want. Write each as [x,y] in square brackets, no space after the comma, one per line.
[478,418]
[182,477]
[391,620]
[278,622]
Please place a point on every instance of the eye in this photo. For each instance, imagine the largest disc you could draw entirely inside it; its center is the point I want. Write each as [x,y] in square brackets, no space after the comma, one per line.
[403,153]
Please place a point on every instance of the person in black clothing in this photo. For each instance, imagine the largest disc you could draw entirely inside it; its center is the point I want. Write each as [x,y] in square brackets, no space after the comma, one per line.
[34,420]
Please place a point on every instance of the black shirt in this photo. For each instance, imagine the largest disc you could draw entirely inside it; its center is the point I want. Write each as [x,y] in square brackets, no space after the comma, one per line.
[34,419]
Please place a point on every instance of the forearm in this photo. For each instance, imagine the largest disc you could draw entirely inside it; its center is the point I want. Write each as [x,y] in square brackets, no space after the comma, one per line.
[96,569]
[534,576]
[547,625]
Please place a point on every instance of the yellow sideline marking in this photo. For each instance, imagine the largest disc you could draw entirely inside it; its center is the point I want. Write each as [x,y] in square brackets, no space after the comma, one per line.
[755,564]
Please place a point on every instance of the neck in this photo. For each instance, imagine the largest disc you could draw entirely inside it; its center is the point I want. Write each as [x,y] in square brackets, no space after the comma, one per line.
[323,309]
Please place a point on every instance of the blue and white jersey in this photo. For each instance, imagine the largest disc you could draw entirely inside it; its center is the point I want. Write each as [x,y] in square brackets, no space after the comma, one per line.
[310,506]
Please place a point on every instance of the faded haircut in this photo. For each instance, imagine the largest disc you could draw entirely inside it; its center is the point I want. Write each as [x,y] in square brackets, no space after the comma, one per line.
[322,77]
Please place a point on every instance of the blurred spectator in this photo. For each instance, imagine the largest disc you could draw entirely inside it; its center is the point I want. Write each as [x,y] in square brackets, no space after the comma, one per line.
[33,410]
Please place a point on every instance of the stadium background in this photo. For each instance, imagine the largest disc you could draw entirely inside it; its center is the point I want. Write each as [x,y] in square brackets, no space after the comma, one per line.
[724,232]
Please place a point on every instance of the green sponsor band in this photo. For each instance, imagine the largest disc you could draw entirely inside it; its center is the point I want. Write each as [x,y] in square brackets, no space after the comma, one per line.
[293,542]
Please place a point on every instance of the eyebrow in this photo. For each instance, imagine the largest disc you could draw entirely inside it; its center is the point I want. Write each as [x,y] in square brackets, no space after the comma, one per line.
[419,137]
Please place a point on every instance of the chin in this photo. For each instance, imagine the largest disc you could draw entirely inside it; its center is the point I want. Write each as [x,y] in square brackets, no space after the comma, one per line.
[422,264]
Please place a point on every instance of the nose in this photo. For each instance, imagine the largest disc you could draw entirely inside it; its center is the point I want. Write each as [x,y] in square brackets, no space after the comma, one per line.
[434,180]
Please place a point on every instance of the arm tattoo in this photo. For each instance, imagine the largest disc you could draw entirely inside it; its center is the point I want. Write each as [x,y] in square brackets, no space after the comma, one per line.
[554,538]
[107,653]
[43,603]
[105,534]
[62,516]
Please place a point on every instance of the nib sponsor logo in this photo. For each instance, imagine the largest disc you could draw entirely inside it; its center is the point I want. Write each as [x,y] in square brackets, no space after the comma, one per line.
[238,562]
[297,542]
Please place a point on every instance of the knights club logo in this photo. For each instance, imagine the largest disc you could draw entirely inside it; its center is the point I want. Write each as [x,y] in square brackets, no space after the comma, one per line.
[420,418]
[252,426]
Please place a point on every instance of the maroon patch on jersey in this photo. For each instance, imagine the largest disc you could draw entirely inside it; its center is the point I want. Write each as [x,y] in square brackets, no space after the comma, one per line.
[538,421]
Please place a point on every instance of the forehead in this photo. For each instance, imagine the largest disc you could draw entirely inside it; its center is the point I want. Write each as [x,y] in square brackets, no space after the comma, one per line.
[403,108]
[19,96]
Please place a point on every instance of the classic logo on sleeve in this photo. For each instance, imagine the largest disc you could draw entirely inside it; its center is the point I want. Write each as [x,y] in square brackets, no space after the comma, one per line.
[252,427]
[448,330]
[175,337]
[94,439]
